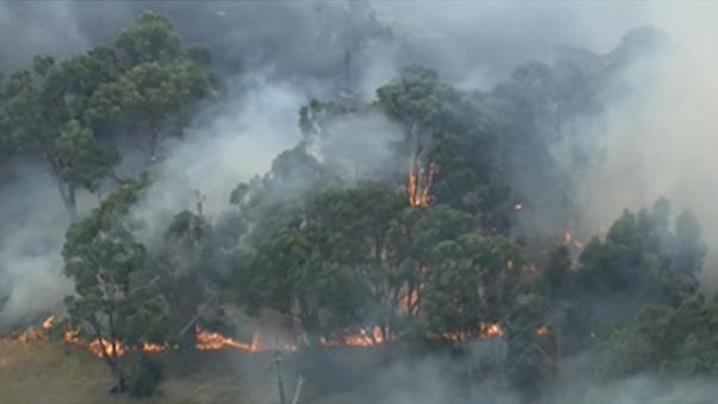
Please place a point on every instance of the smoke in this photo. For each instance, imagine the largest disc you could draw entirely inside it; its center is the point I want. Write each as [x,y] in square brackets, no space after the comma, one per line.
[659,140]
[226,146]
[476,45]
[443,378]
[34,28]
[650,389]
[34,224]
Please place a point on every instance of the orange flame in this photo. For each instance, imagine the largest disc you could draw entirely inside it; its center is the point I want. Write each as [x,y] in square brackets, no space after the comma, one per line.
[364,338]
[543,331]
[49,323]
[33,334]
[104,348]
[214,341]
[486,332]
[420,184]
[491,331]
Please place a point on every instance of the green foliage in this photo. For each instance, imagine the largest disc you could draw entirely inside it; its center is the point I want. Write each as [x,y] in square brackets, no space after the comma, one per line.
[442,126]
[82,161]
[149,92]
[304,256]
[188,262]
[643,256]
[336,256]
[526,360]
[472,281]
[115,297]
[672,340]
[152,39]
[556,280]
[61,111]
[145,377]
[418,98]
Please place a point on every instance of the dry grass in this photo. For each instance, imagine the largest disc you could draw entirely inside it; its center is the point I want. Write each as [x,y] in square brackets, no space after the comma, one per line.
[43,372]
[50,373]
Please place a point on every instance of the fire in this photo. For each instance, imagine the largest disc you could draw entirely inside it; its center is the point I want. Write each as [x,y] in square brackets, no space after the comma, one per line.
[214,341]
[98,347]
[34,334]
[543,331]
[104,348]
[72,337]
[486,332]
[153,348]
[491,331]
[420,183]
[49,323]
[101,347]
[363,339]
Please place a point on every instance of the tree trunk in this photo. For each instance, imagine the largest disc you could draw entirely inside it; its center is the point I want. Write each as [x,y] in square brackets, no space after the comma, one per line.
[115,369]
[119,375]
[154,143]
[67,193]
[280,381]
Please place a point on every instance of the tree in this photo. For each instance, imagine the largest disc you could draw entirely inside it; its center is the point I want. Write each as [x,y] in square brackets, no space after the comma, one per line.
[115,300]
[158,84]
[152,39]
[148,95]
[449,129]
[641,261]
[556,277]
[36,115]
[63,111]
[308,257]
[473,282]
[665,340]
[689,248]
[527,359]
[188,263]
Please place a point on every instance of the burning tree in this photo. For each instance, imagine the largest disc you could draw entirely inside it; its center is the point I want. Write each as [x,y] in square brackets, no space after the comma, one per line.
[115,303]
[472,285]
[420,182]
[356,266]
[306,261]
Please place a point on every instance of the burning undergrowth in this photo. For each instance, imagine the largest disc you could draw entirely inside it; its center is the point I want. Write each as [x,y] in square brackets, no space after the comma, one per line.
[206,340]
[327,240]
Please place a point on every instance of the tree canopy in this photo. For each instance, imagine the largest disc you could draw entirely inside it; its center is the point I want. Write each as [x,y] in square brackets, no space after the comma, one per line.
[65,111]
[457,236]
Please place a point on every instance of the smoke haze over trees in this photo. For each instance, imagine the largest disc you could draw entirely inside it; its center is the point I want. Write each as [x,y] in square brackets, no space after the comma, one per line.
[422,172]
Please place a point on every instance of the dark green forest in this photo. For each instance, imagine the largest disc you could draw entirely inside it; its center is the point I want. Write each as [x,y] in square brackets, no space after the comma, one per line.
[467,231]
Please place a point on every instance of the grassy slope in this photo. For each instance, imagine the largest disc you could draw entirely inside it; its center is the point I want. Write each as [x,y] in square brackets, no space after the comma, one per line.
[41,373]
[46,373]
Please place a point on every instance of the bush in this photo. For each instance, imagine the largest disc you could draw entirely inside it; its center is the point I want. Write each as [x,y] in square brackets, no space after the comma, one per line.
[146,375]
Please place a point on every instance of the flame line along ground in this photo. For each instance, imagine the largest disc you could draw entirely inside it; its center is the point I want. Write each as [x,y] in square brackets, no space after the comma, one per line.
[214,341]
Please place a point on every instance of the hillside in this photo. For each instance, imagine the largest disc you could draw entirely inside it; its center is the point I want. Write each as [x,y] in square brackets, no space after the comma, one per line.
[50,373]
[42,372]
[211,221]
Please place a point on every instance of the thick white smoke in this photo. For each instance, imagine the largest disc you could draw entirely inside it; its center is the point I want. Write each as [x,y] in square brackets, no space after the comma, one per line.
[34,224]
[660,140]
